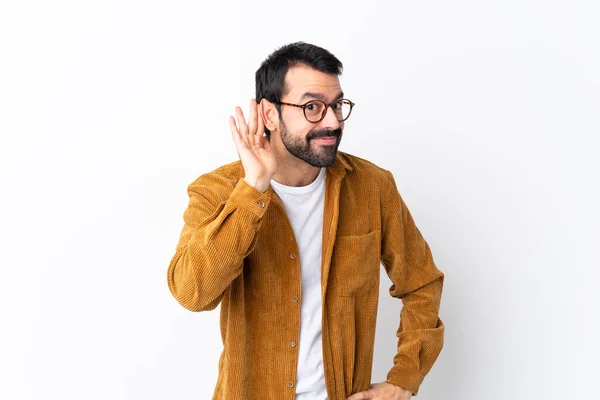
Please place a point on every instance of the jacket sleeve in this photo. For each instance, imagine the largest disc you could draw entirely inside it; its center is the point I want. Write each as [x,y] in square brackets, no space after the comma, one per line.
[408,262]
[219,232]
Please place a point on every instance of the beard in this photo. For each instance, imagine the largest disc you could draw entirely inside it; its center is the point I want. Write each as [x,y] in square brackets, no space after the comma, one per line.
[323,156]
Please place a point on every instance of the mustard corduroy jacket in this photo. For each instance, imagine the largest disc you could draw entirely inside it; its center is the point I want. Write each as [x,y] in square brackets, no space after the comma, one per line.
[237,249]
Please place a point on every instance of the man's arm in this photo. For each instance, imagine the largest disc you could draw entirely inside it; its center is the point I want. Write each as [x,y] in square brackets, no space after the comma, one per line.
[221,224]
[408,262]
[219,231]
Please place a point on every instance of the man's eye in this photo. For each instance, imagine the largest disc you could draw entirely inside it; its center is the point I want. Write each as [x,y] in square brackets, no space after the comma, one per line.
[310,107]
[337,105]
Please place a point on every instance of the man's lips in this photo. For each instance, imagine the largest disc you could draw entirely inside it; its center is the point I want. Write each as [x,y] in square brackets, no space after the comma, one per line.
[326,140]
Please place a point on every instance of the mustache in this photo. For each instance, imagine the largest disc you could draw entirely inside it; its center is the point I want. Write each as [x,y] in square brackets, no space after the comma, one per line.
[325,133]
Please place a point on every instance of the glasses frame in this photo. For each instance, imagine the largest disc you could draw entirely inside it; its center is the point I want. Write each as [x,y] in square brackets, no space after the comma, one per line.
[303,107]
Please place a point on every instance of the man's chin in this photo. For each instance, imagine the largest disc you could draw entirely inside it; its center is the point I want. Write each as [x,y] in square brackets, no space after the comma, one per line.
[330,159]
[323,146]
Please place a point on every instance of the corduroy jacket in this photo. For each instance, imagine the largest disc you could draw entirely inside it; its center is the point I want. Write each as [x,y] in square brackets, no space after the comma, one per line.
[237,249]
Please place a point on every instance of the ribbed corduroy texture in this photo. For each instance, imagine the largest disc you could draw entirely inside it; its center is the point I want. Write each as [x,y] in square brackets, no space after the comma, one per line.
[238,248]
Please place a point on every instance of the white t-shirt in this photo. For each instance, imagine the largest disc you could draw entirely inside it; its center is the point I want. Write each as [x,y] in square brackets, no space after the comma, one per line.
[304,208]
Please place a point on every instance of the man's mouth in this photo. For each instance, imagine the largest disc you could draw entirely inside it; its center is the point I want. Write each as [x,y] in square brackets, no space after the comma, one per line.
[326,139]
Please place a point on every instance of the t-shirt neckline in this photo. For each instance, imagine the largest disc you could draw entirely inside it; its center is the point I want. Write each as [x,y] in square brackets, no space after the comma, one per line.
[301,189]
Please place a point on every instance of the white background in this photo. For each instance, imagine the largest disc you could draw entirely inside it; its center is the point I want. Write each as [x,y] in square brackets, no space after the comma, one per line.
[487,113]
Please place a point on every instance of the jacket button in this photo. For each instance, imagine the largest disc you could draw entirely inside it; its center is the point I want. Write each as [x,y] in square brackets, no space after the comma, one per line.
[295,299]
[261,203]
[290,384]
[293,344]
[293,255]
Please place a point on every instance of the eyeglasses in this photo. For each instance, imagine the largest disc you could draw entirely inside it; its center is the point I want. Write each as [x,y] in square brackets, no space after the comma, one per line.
[315,110]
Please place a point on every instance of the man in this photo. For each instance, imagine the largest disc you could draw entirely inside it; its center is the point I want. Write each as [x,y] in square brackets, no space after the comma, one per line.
[289,241]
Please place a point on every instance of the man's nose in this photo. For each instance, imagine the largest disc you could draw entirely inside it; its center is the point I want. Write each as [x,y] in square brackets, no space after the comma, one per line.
[330,120]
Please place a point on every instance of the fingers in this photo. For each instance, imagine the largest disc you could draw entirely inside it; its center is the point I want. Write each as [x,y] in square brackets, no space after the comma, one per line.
[242,127]
[252,119]
[254,124]
[235,133]
[365,395]
[251,133]
[261,123]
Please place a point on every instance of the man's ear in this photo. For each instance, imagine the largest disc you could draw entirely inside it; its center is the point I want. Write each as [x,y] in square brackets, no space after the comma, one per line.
[270,114]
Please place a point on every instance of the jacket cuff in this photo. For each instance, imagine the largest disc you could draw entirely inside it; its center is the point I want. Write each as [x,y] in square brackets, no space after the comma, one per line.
[406,378]
[249,198]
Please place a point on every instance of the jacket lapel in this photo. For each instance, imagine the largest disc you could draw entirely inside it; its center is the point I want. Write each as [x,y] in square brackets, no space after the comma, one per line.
[333,181]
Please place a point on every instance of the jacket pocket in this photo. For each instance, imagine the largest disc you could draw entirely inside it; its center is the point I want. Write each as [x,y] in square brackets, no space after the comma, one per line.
[355,263]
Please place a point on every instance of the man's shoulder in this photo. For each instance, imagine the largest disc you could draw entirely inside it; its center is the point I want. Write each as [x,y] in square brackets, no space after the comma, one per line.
[223,178]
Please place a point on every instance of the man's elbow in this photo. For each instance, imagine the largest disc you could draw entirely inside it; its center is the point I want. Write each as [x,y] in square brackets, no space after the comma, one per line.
[193,300]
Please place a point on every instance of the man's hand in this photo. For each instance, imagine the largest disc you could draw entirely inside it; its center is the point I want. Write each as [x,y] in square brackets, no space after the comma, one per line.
[255,151]
[382,391]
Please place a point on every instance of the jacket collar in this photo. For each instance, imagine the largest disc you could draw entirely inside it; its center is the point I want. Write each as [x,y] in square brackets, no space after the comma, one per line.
[340,165]
[337,171]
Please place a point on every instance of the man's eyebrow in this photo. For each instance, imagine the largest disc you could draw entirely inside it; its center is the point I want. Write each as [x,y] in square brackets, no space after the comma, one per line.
[319,96]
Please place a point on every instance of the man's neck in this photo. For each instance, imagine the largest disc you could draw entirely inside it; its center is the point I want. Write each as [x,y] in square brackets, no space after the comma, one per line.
[295,172]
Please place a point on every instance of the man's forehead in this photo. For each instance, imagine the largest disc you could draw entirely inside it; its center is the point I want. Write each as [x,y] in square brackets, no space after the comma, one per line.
[301,80]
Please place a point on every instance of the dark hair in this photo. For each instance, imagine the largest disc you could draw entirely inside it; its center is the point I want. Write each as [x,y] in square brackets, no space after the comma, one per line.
[270,77]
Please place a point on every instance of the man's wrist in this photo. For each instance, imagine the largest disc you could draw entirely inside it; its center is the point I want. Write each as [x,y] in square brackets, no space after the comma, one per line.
[258,184]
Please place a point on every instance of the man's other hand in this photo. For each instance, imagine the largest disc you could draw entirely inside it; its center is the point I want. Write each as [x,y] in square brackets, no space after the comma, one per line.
[382,391]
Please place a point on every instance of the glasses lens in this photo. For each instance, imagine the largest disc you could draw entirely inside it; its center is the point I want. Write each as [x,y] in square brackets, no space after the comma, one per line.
[342,109]
[314,110]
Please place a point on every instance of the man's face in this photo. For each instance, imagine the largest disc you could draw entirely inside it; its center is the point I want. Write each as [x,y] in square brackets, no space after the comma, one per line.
[314,143]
